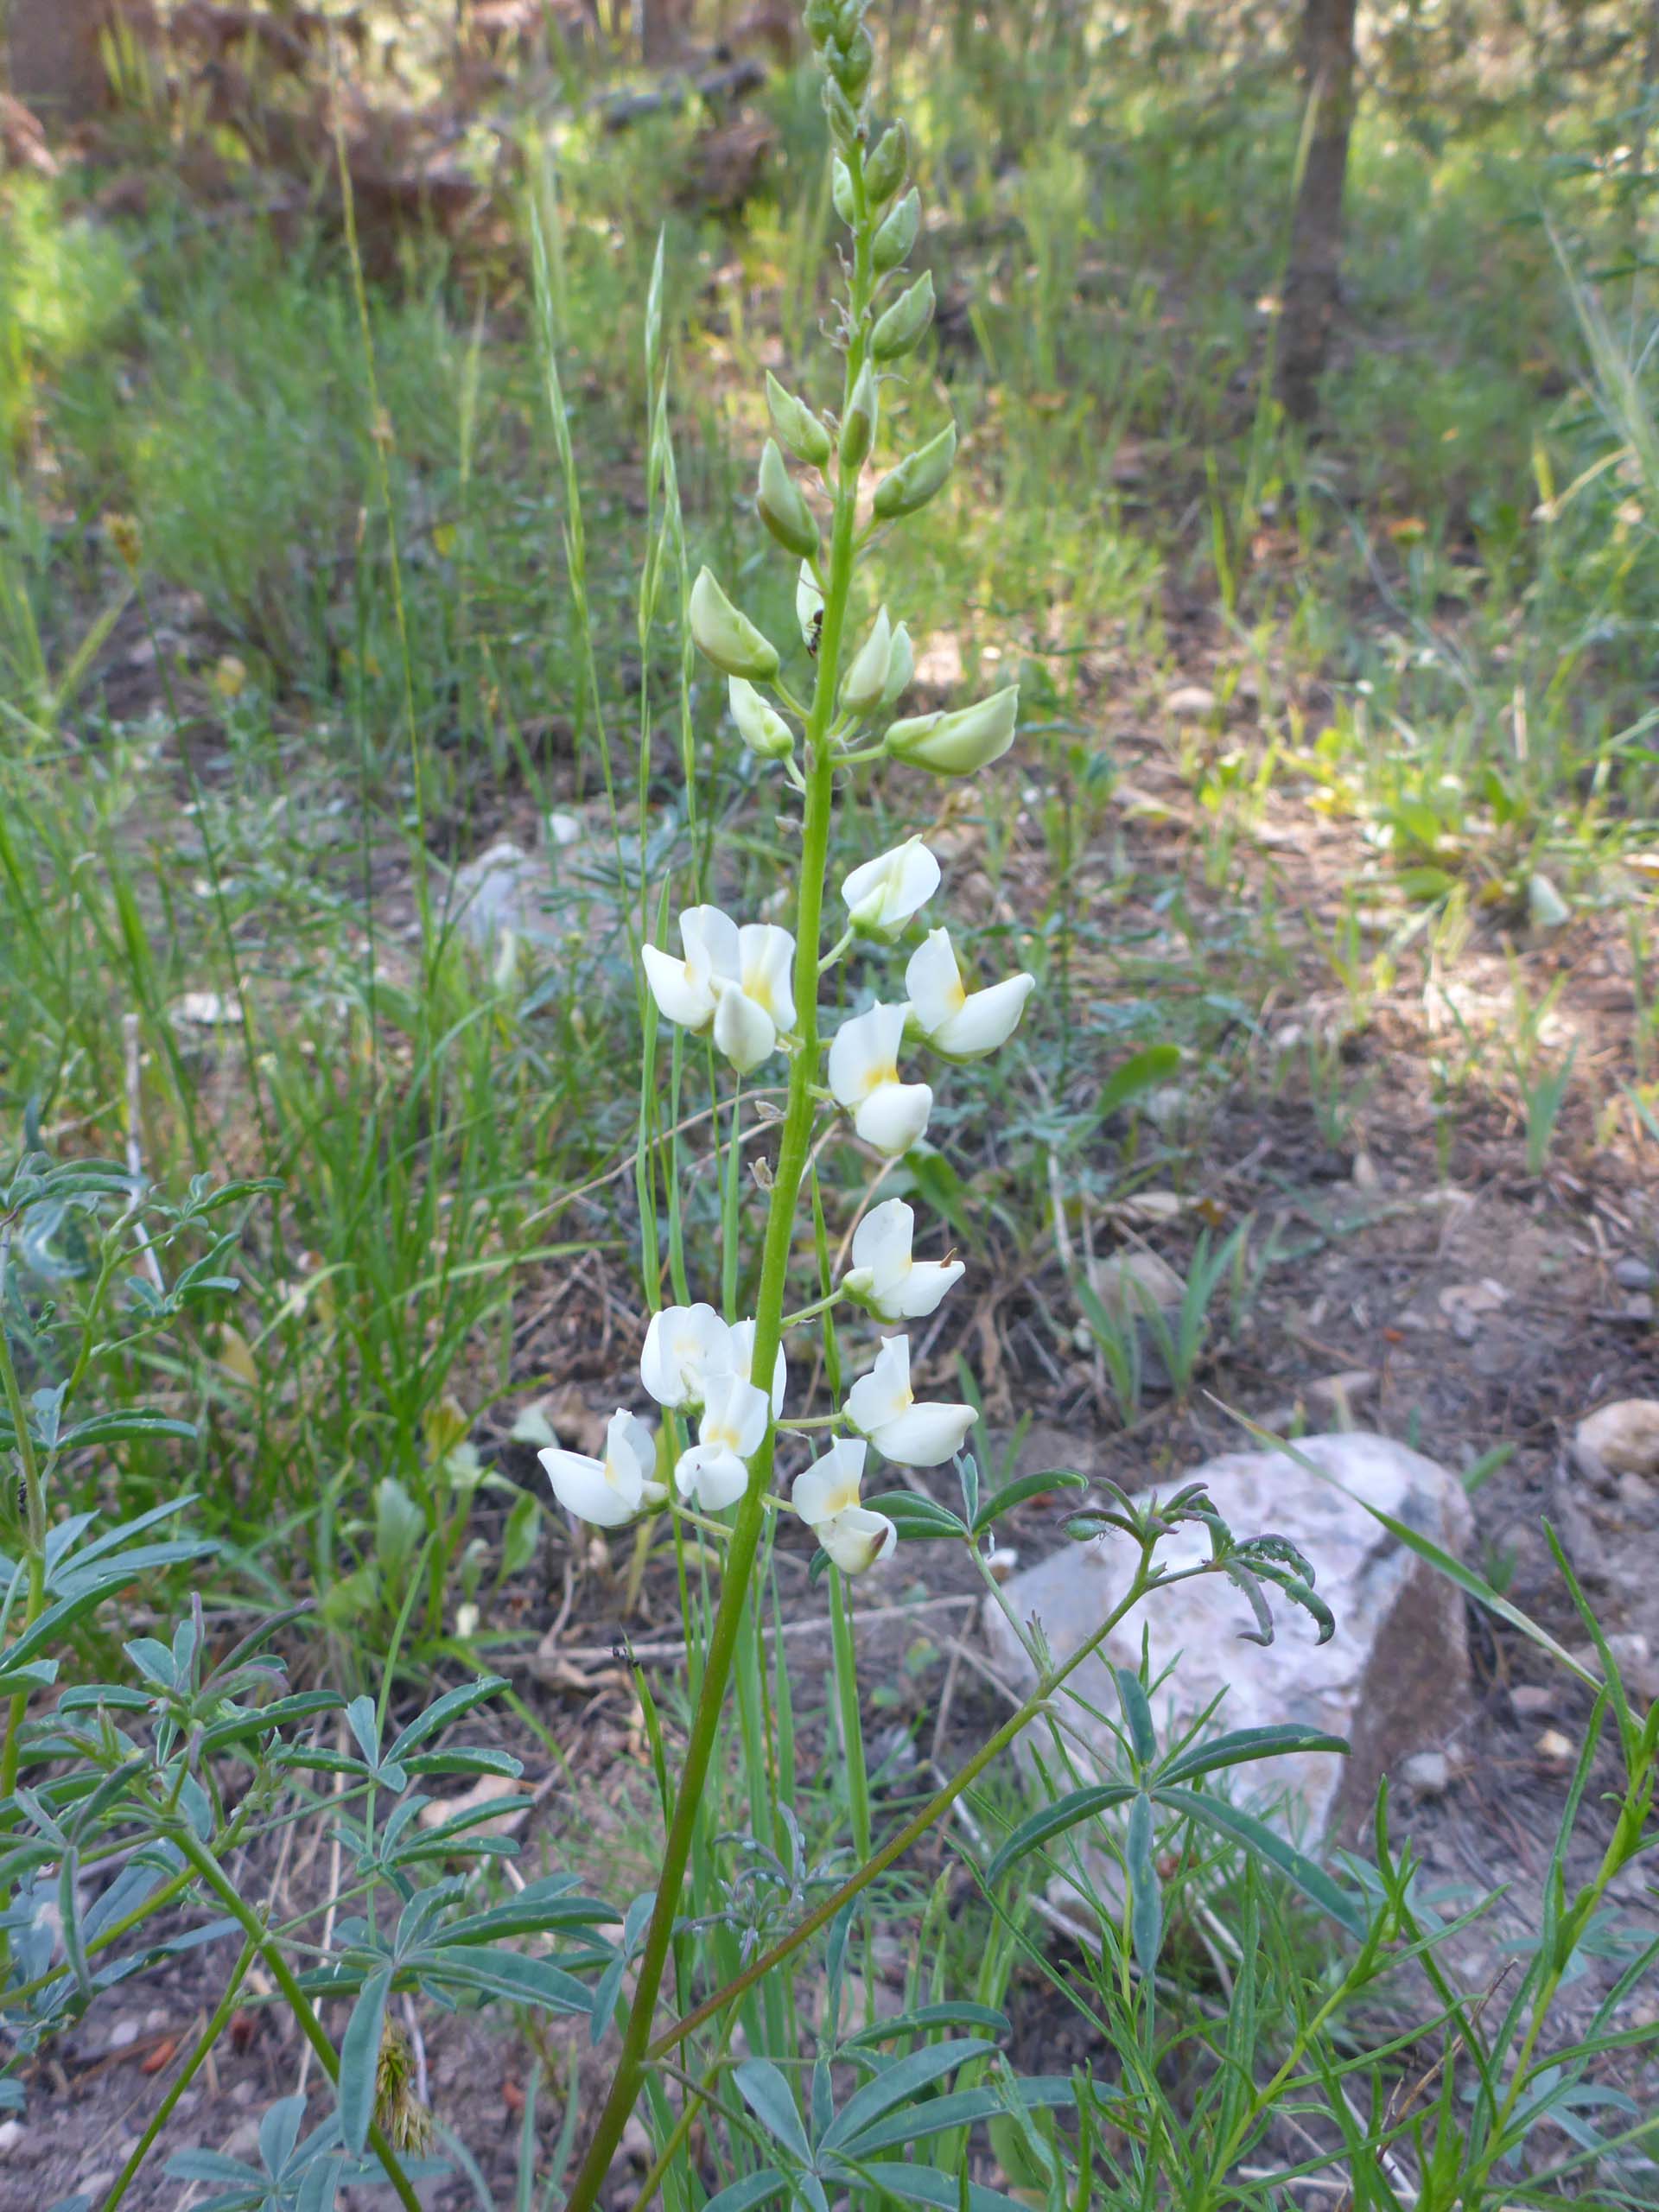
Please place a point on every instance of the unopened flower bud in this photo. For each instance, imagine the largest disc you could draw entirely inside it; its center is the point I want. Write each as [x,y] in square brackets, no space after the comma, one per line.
[898,233]
[797,426]
[884,171]
[917,476]
[850,61]
[902,327]
[761,727]
[901,667]
[957,744]
[858,430]
[843,115]
[841,192]
[809,607]
[862,685]
[727,636]
[781,505]
[819,17]
[850,17]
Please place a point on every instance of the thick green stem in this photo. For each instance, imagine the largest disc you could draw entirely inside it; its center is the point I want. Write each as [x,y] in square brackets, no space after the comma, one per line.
[793,1154]
[187,2072]
[298,2002]
[917,1826]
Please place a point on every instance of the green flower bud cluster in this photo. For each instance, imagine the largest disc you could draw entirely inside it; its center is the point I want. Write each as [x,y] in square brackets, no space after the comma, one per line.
[851,686]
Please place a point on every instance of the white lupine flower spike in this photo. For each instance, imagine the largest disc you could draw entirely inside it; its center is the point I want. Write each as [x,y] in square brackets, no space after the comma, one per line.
[685,1345]
[884,893]
[826,1498]
[611,1491]
[961,1024]
[735,1416]
[885,1278]
[864,1079]
[882,1407]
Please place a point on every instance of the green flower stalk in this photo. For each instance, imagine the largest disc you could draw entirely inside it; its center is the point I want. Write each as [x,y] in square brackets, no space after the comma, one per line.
[753,989]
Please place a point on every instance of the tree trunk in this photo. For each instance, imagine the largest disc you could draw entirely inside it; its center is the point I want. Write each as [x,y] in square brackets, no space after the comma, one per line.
[54,62]
[1312,275]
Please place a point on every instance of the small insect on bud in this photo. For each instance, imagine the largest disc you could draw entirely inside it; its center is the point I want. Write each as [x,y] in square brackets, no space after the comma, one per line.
[809,607]
[843,115]
[901,667]
[761,727]
[898,233]
[797,426]
[917,477]
[858,430]
[957,744]
[901,328]
[841,192]
[780,504]
[883,172]
[727,638]
[864,682]
[850,61]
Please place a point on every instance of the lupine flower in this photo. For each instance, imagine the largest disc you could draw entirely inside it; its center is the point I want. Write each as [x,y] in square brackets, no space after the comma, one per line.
[957,743]
[883,894]
[963,1025]
[882,1406]
[864,1078]
[761,727]
[865,678]
[740,1358]
[727,636]
[826,1498]
[884,1278]
[683,1346]
[611,1491]
[731,1430]
[733,981]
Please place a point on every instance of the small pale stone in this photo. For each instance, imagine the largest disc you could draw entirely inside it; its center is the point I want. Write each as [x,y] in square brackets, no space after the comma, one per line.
[11,2134]
[1631,1274]
[1622,1439]
[1190,700]
[125,2033]
[1127,1283]
[1429,1773]
[1532,1700]
[1554,1746]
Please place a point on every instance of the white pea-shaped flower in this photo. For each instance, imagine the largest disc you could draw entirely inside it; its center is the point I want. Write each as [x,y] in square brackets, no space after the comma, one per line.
[866,679]
[731,1430]
[761,727]
[611,1491]
[683,1346]
[864,1079]
[687,991]
[883,894]
[884,1278]
[962,1024]
[826,1498]
[740,1358]
[880,1405]
[735,982]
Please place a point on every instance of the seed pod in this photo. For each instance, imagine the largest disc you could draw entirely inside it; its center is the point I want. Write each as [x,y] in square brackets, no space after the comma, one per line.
[727,636]
[843,115]
[851,60]
[901,667]
[861,686]
[957,744]
[917,476]
[781,505]
[883,172]
[898,233]
[797,426]
[858,430]
[761,727]
[840,190]
[901,328]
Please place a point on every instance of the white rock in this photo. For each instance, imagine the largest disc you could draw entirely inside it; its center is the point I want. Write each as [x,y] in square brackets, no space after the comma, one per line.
[1394,1677]
[545,899]
[1622,1439]
[11,2134]
[1429,1773]
[1191,699]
